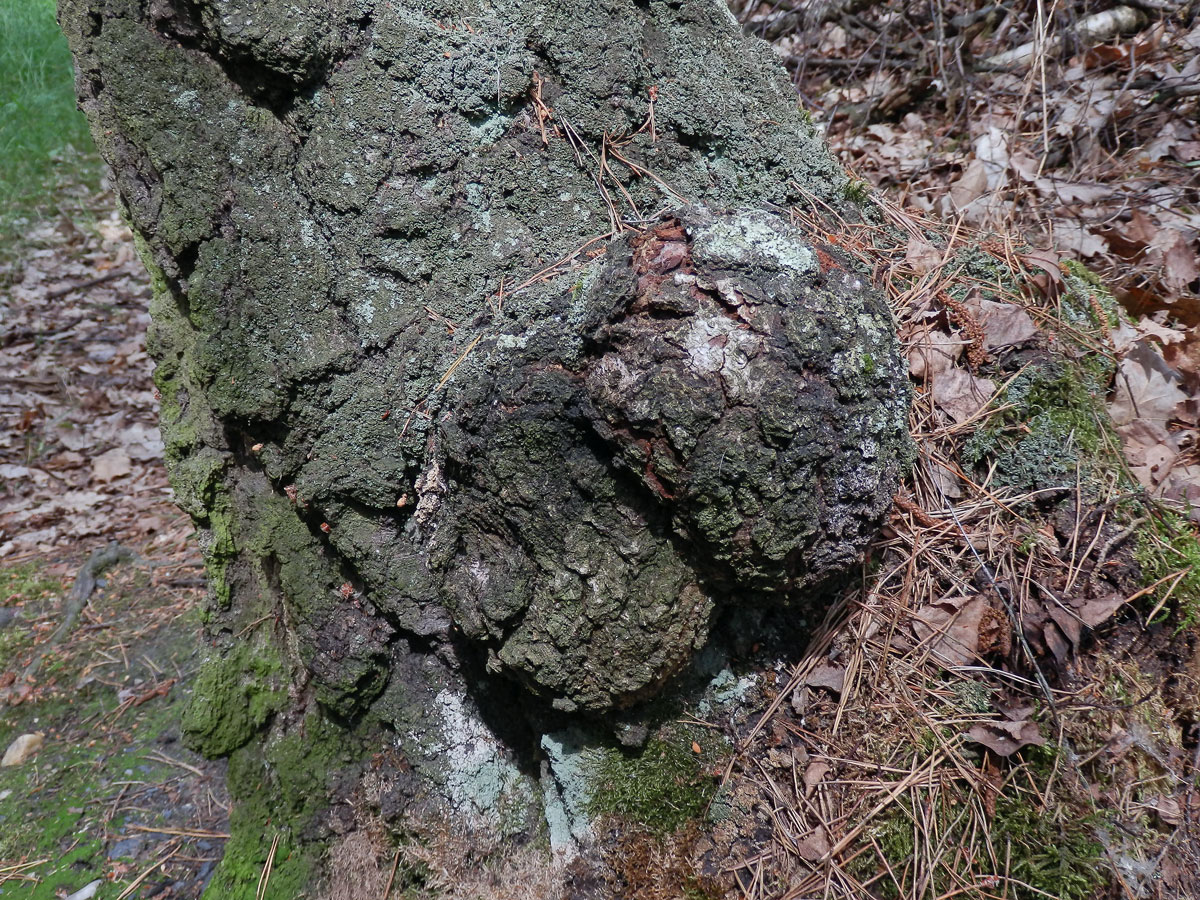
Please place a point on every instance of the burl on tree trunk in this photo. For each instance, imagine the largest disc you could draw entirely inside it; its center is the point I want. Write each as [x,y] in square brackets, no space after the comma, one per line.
[486,351]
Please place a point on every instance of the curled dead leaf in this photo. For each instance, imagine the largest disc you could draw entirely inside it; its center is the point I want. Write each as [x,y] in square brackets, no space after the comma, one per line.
[814,775]
[1146,388]
[932,351]
[23,748]
[960,394]
[1006,738]
[922,256]
[950,627]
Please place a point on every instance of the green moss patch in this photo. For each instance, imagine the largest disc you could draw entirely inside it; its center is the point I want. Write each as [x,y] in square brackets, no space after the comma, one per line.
[662,788]
[107,700]
[279,786]
[28,595]
[1050,429]
[1169,555]
[233,697]
[1048,843]
[99,778]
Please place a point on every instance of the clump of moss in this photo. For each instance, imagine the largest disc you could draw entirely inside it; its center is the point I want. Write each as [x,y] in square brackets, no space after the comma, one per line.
[1058,858]
[649,867]
[25,582]
[280,786]
[1049,842]
[857,191]
[1049,845]
[661,789]
[892,843]
[1050,428]
[1166,546]
[233,697]
[1087,303]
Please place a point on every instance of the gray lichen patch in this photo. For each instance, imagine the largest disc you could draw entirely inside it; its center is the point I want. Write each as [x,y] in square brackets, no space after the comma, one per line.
[571,758]
[483,787]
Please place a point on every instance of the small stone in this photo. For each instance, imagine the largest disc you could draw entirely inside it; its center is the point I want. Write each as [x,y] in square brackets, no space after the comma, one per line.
[23,748]
[632,734]
[7,616]
[87,891]
[129,847]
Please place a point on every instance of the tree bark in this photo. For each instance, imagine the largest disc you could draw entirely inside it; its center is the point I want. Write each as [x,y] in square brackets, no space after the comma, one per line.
[488,358]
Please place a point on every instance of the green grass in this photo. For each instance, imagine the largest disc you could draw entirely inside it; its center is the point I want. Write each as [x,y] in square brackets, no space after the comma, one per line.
[44,140]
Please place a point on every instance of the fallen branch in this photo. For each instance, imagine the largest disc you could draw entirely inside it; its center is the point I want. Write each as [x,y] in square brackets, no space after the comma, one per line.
[85,582]
[84,285]
[803,16]
[1094,29]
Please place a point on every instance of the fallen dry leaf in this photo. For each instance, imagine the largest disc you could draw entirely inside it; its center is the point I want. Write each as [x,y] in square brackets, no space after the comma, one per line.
[960,394]
[970,186]
[1004,324]
[922,256]
[1146,388]
[1100,610]
[832,678]
[932,351]
[1168,809]
[950,627]
[111,465]
[945,478]
[1178,259]
[814,775]
[814,845]
[1072,235]
[1006,738]
[1046,260]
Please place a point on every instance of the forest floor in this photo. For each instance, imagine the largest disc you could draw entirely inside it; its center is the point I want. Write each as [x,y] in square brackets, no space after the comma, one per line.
[1007,707]
[1008,704]
[108,797]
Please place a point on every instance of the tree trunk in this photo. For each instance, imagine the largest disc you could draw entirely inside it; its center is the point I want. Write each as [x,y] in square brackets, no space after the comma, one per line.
[491,371]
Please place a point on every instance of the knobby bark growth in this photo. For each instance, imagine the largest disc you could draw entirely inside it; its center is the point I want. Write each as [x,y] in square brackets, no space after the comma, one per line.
[487,355]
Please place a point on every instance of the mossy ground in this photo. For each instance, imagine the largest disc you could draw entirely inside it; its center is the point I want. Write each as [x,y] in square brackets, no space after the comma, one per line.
[1043,833]
[30,593]
[661,787]
[1169,555]
[108,700]
[1051,429]
[652,805]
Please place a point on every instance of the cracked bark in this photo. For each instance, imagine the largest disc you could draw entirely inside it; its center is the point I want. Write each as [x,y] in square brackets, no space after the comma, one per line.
[425,406]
